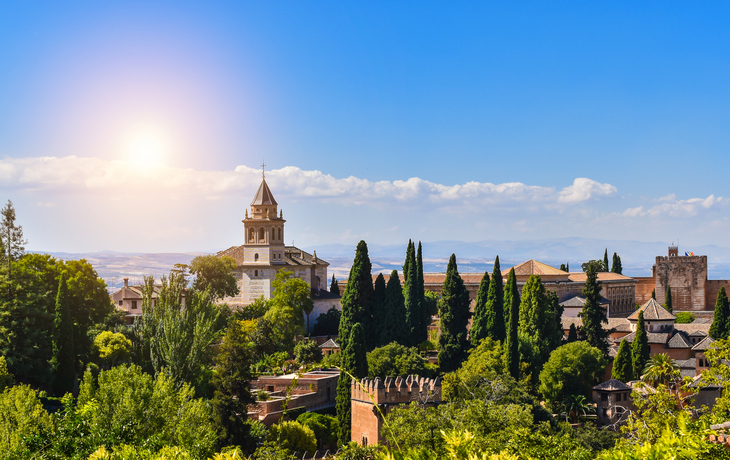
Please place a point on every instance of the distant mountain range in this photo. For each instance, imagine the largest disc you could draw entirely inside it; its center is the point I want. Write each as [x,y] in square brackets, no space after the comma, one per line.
[474,257]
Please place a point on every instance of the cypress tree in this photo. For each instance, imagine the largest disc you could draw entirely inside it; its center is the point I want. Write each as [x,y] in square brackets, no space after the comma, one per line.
[454,317]
[622,366]
[567,267]
[605,260]
[537,320]
[334,286]
[425,319]
[410,294]
[479,324]
[593,315]
[554,323]
[668,299]
[380,312]
[572,334]
[721,317]
[653,294]
[616,268]
[562,267]
[358,298]
[355,364]
[64,356]
[640,349]
[395,328]
[497,314]
[511,344]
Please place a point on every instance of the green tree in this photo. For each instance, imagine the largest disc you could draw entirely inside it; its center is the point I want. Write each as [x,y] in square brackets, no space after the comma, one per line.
[358,298]
[495,304]
[454,316]
[668,301]
[596,264]
[232,390]
[354,364]
[112,348]
[617,267]
[64,355]
[128,406]
[328,323]
[661,370]
[215,274]
[334,286]
[571,370]
[12,242]
[572,333]
[623,369]
[511,344]
[411,296]
[563,267]
[177,335]
[720,327]
[554,324]
[325,428]
[394,360]
[640,349]
[21,416]
[395,327]
[653,294]
[605,260]
[290,301]
[380,312]
[294,437]
[6,378]
[484,368]
[479,326]
[425,318]
[593,315]
[307,352]
[537,320]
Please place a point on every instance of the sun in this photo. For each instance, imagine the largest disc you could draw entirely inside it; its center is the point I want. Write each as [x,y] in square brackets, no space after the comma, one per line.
[147,148]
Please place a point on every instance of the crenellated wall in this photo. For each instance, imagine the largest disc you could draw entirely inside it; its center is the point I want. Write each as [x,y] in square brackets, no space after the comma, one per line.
[372,399]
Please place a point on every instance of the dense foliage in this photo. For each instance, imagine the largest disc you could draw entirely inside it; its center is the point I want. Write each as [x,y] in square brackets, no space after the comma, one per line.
[454,315]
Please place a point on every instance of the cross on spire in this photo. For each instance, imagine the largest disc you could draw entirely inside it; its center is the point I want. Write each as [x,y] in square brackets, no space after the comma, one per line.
[263,169]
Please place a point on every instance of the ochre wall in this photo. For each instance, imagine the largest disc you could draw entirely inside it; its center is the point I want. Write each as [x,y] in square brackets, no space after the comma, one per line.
[644,286]
[711,289]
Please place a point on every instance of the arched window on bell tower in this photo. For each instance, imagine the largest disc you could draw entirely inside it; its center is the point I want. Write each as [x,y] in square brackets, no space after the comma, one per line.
[262,235]
[252,236]
[280,238]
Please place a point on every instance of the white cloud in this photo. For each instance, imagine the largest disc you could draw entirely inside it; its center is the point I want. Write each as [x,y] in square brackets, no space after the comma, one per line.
[584,189]
[113,177]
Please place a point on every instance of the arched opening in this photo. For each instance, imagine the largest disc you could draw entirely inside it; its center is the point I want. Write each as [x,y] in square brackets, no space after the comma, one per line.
[255,273]
[262,235]
[273,234]
[280,239]
[251,236]
[256,257]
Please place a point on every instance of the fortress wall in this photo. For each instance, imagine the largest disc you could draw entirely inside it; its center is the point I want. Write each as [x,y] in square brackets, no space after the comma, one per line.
[711,289]
[644,286]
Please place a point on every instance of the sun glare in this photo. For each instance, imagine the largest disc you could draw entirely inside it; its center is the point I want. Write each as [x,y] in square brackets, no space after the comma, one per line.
[147,148]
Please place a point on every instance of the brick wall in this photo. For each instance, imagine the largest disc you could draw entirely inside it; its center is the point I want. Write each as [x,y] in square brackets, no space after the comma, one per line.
[644,286]
[712,287]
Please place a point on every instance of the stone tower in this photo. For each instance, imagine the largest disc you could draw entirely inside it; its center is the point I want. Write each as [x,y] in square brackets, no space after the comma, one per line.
[263,230]
[687,277]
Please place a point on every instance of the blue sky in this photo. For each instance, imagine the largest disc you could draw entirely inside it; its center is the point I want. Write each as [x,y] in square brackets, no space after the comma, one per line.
[140,126]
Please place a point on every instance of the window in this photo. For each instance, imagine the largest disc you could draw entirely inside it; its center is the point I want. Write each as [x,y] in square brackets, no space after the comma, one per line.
[255,273]
[364,440]
[262,235]
[279,233]
[121,302]
[251,236]
[256,257]
[273,234]
[134,305]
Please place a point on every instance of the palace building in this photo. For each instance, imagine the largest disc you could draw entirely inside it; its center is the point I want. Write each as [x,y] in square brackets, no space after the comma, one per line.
[263,253]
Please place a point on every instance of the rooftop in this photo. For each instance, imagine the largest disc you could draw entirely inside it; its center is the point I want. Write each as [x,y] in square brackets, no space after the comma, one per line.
[653,311]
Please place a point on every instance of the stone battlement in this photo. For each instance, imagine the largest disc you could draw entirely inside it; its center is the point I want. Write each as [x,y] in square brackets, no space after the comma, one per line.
[394,390]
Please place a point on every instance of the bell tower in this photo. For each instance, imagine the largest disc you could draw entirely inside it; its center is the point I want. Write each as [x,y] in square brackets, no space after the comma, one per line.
[263,229]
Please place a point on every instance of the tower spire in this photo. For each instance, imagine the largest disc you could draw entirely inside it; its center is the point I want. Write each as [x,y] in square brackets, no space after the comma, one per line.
[263,169]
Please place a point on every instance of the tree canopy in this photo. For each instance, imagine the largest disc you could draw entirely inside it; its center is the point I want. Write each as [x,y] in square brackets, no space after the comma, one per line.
[214,274]
[454,316]
[571,370]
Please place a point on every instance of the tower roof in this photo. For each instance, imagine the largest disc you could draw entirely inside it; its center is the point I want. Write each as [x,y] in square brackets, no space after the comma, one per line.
[533,267]
[264,196]
[653,310]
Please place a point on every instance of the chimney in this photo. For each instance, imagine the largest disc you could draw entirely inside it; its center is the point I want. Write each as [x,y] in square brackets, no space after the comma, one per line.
[126,282]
